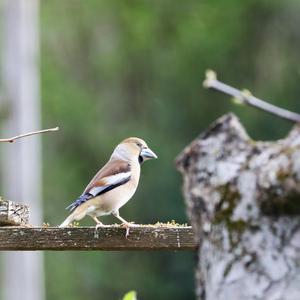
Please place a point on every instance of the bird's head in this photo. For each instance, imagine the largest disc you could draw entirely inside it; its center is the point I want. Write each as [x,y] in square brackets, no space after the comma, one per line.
[134,148]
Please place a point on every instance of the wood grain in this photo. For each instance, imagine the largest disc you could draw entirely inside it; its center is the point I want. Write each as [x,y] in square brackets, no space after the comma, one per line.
[87,238]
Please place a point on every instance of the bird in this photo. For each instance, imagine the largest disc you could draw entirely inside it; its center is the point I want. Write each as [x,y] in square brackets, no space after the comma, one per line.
[114,184]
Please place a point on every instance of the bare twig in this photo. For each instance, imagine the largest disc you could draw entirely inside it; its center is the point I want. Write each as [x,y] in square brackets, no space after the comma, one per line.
[245,97]
[12,139]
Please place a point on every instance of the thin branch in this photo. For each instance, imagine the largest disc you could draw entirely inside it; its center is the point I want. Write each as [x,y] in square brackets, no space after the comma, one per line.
[12,139]
[245,97]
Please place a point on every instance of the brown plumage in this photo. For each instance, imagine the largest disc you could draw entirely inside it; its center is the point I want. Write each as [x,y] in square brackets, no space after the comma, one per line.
[115,167]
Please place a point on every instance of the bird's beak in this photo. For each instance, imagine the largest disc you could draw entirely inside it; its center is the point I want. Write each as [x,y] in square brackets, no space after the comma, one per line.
[147,153]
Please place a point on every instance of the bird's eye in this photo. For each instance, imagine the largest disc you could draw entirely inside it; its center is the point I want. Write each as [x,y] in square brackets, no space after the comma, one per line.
[139,144]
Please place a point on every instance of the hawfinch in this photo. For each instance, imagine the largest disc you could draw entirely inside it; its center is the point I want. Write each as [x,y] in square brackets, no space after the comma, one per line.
[113,185]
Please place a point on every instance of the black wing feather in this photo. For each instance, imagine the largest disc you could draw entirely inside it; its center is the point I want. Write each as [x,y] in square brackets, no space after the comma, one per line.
[87,196]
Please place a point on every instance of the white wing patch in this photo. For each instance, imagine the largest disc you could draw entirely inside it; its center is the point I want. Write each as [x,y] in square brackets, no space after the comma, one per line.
[110,181]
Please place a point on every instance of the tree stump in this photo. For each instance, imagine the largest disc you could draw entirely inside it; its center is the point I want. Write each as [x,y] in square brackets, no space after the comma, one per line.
[12,213]
[243,200]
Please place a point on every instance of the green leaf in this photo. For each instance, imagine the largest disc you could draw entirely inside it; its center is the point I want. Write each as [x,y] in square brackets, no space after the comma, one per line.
[130,296]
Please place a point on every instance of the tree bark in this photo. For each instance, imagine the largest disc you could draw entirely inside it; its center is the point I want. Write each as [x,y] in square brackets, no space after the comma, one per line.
[12,213]
[242,198]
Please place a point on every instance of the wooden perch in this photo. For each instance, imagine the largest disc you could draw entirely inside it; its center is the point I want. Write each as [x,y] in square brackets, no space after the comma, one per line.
[12,213]
[12,139]
[245,97]
[86,238]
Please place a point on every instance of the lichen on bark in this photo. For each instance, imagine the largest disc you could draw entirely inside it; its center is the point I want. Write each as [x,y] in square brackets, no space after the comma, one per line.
[12,213]
[242,198]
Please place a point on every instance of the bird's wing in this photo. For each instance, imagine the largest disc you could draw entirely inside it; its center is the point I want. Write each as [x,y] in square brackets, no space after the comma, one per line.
[112,175]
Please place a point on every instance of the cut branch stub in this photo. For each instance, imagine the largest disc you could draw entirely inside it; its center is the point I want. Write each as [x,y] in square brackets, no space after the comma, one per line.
[12,213]
[243,199]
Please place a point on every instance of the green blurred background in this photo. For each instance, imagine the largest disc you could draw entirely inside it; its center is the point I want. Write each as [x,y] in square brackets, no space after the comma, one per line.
[113,69]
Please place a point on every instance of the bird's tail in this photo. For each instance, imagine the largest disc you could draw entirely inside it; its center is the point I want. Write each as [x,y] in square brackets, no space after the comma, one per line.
[67,221]
[76,215]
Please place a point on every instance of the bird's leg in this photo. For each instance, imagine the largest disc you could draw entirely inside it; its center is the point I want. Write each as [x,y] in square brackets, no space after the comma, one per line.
[98,224]
[125,224]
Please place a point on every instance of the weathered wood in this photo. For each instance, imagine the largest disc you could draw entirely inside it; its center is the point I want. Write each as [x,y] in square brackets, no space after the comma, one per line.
[243,200]
[12,213]
[87,238]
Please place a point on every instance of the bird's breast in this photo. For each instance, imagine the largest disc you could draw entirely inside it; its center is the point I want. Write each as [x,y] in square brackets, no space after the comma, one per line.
[117,197]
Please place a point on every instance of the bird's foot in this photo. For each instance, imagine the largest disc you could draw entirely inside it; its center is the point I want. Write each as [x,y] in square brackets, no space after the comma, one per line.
[128,226]
[99,225]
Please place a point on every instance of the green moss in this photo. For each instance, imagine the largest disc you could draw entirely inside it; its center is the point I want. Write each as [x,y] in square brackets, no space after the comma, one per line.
[227,269]
[229,200]
[285,205]
[239,226]
[282,175]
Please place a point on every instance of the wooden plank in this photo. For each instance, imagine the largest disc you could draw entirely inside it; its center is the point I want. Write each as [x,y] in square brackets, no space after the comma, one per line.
[87,238]
[12,213]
